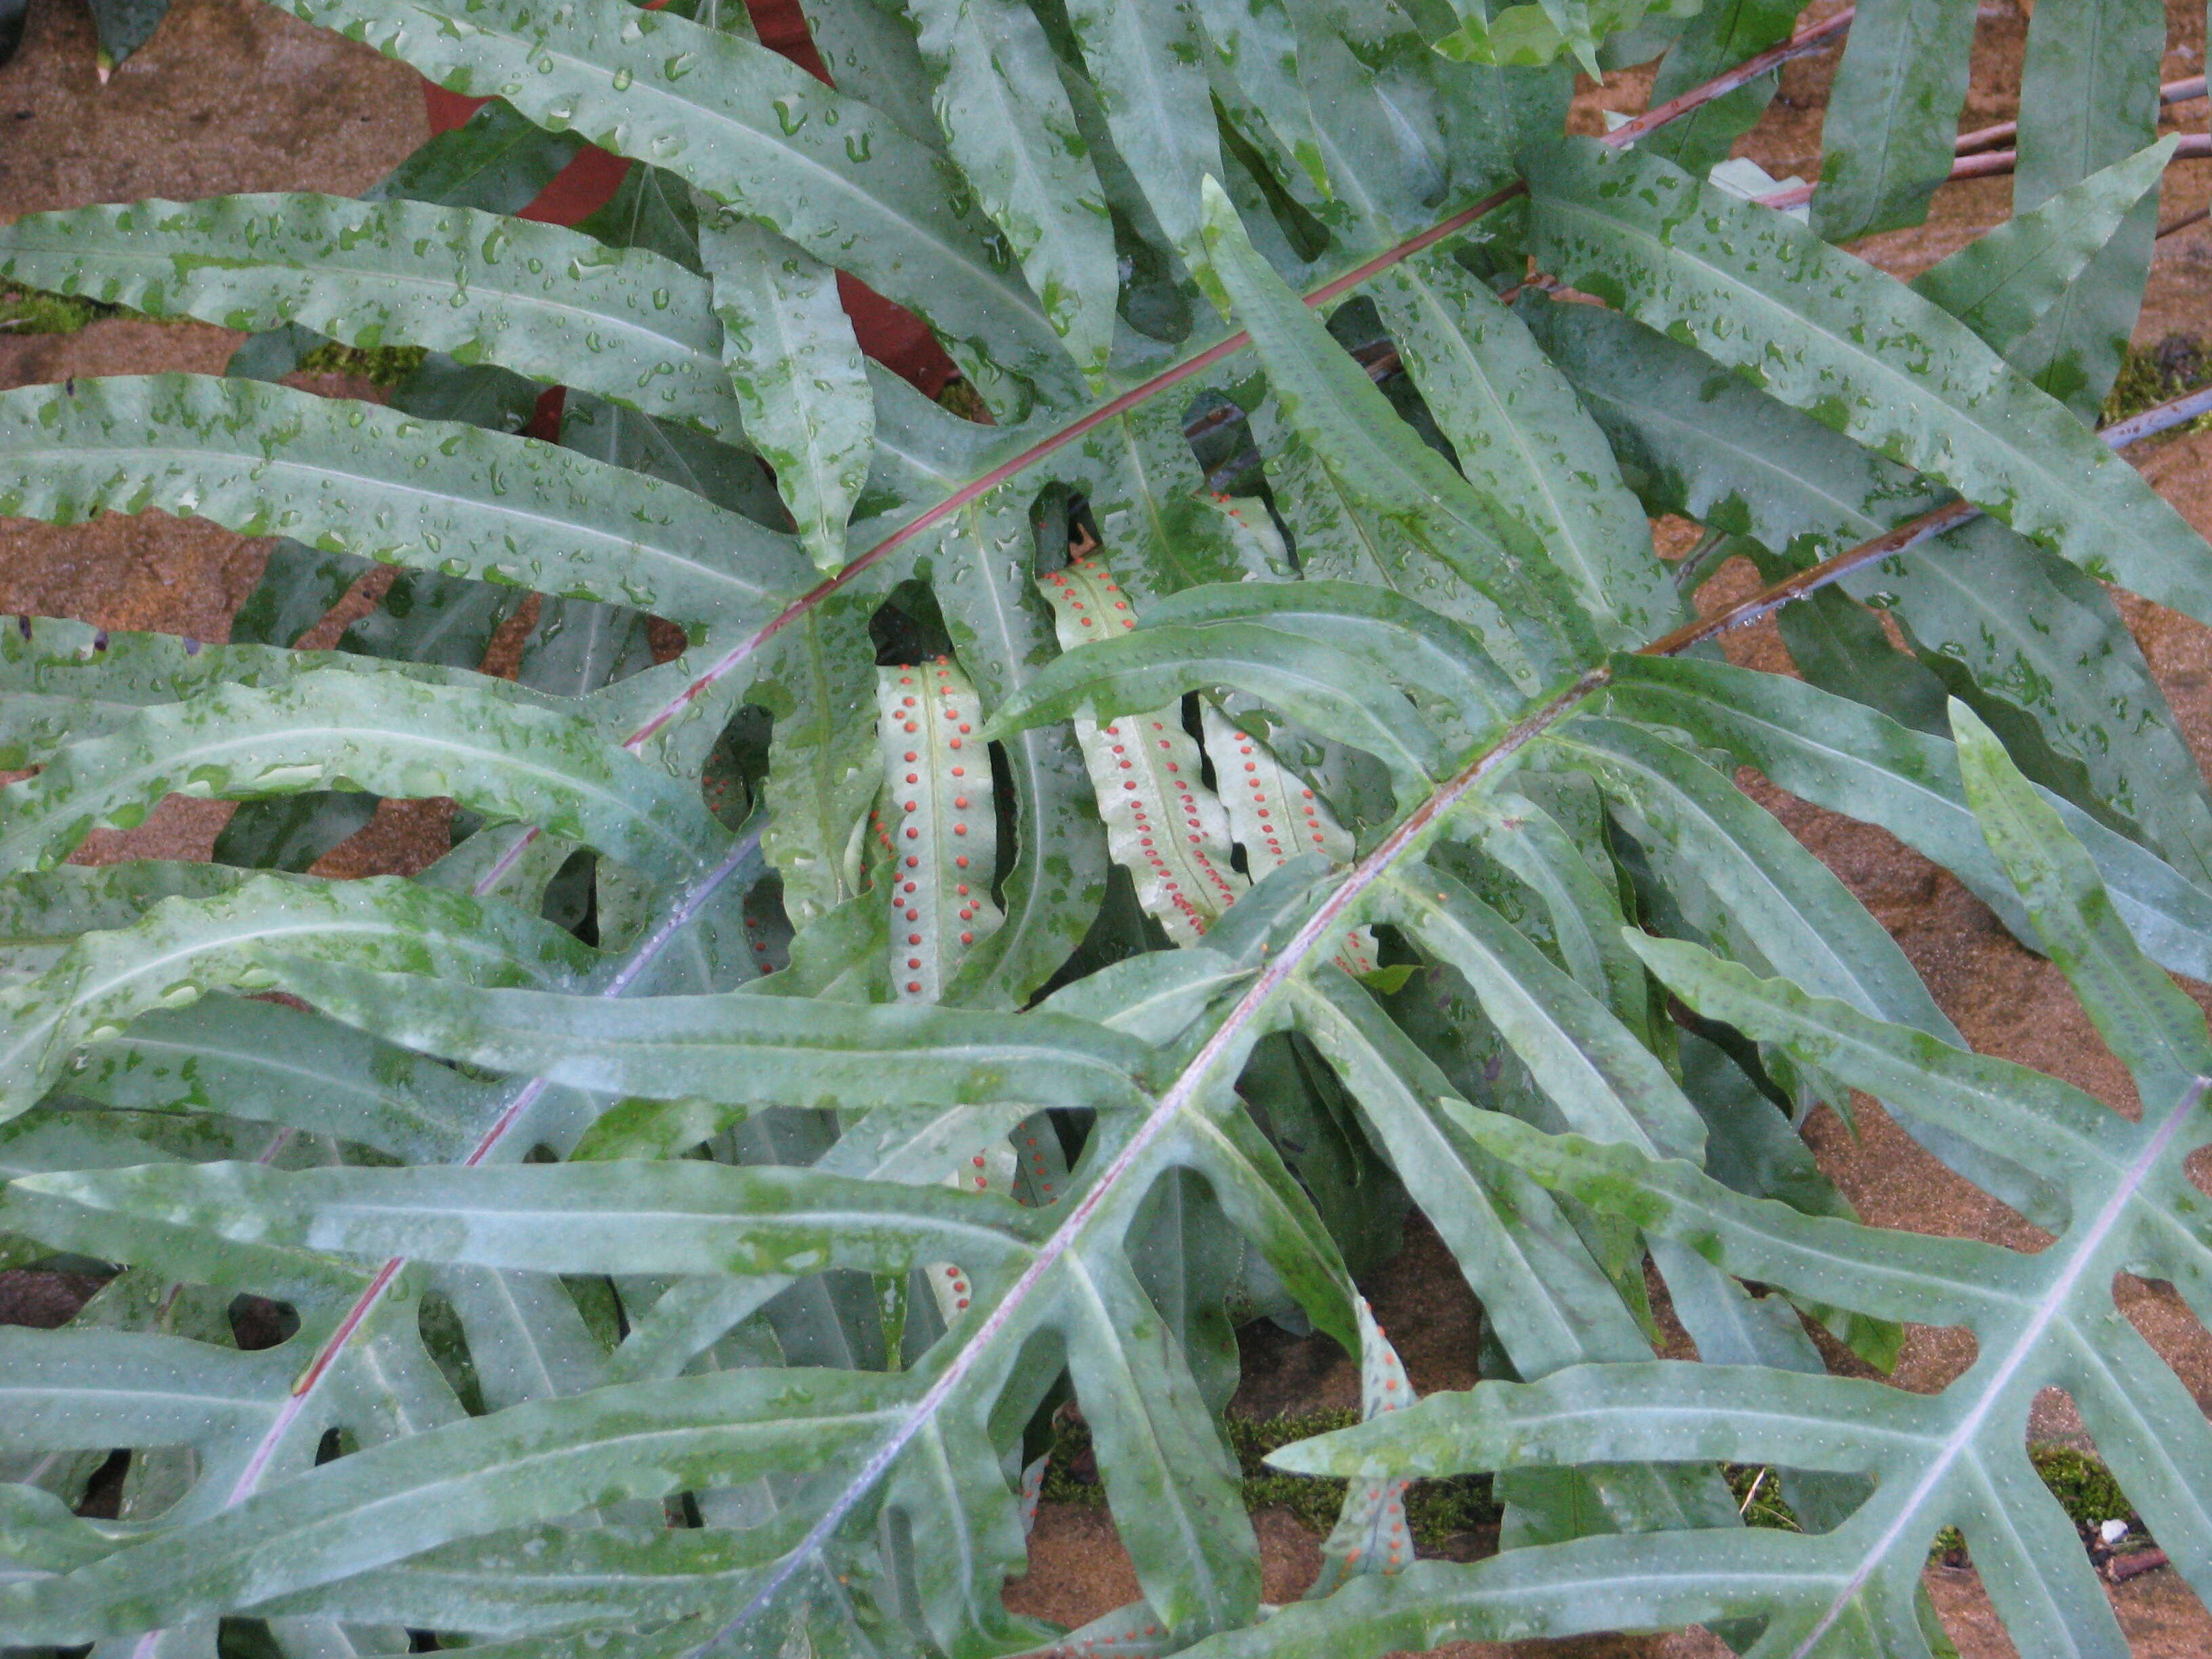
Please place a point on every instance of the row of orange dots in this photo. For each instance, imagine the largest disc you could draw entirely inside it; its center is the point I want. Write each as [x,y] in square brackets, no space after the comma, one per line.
[1090,1645]
[1354,958]
[959,802]
[1393,1383]
[1168,883]
[1068,591]
[756,929]
[1259,801]
[905,900]
[1395,1558]
[905,903]
[1183,786]
[1044,1187]
[959,1280]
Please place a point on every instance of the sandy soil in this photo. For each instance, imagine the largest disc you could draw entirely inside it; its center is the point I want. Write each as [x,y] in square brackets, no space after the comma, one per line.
[233,95]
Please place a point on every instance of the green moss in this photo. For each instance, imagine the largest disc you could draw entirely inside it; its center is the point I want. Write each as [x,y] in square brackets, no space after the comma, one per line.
[2082,1486]
[1759,1497]
[384,366]
[1435,1509]
[2149,375]
[964,400]
[33,311]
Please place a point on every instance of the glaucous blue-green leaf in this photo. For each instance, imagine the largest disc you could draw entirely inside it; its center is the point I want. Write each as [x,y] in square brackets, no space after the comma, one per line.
[1552,1304]
[74,1387]
[529,1463]
[677,1217]
[185,946]
[823,766]
[1008,125]
[1305,679]
[1589,1065]
[1715,38]
[1057,874]
[871,53]
[1340,537]
[387,733]
[496,161]
[2005,282]
[1276,817]
[349,477]
[262,1060]
[1163,825]
[744,1049]
[62,681]
[1861,353]
[1251,61]
[1459,690]
[1980,600]
[772,1290]
[752,129]
[1886,142]
[1524,442]
[1770,897]
[1386,167]
[789,350]
[1851,759]
[547,303]
[2089,99]
[1329,400]
[1148,63]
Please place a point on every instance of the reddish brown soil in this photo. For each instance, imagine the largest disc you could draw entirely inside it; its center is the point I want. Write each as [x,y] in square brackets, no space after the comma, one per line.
[233,95]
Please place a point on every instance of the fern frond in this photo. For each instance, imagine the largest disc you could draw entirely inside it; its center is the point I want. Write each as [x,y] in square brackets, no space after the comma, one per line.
[695,1193]
[548,303]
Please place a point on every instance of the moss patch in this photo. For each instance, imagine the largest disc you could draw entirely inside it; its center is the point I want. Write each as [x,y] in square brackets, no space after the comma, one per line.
[33,311]
[964,400]
[2084,1487]
[384,366]
[1437,1509]
[2149,375]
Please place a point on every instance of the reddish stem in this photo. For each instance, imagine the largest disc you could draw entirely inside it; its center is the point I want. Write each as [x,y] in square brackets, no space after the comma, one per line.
[1799,44]
[2193,147]
[2173,92]
[2163,418]
[1812,39]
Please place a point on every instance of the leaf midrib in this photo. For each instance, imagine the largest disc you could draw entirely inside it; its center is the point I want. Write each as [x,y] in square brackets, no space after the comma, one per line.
[404,278]
[405,739]
[558,529]
[2070,1259]
[1902,389]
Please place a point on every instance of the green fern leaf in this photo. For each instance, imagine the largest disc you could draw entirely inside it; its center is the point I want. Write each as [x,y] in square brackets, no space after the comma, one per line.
[548,303]
[1921,388]
[1885,141]
[750,129]
[472,504]
[797,368]
[387,733]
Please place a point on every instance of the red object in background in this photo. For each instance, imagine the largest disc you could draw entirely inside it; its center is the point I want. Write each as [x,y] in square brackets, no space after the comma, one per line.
[890,333]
